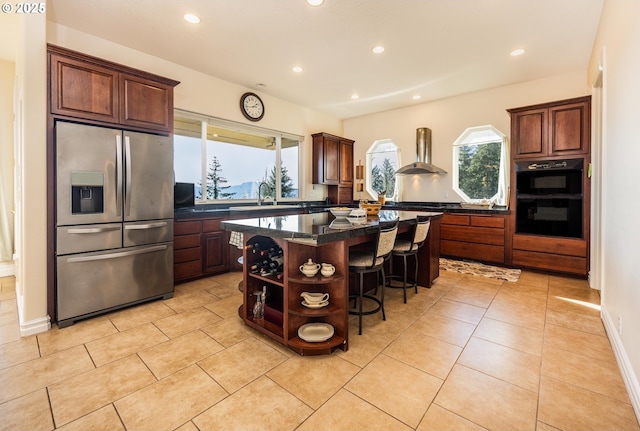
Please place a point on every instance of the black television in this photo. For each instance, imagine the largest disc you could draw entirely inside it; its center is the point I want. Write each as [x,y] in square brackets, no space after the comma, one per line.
[183,195]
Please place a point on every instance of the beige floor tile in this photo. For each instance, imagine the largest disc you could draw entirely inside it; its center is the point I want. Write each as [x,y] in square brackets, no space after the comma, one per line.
[517,315]
[84,393]
[30,412]
[226,307]
[544,427]
[363,348]
[584,294]
[480,283]
[571,340]
[187,301]
[524,296]
[347,412]
[229,331]
[602,377]
[261,405]
[533,279]
[458,310]
[395,324]
[487,401]
[579,321]
[559,281]
[395,388]
[167,358]
[513,366]
[313,379]
[517,337]
[79,333]
[230,368]
[439,419]
[570,408]
[443,328]
[9,333]
[139,315]
[104,419]
[8,313]
[469,296]
[169,403]
[125,343]
[189,426]
[187,321]
[425,353]
[16,352]
[36,374]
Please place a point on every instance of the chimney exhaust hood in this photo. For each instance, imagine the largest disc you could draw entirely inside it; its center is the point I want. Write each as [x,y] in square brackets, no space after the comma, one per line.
[422,165]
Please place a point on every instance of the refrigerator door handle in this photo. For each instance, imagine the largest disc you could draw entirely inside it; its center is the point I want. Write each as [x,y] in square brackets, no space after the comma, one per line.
[116,255]
[93,229]
[146,226]
[127,192]
[119,175]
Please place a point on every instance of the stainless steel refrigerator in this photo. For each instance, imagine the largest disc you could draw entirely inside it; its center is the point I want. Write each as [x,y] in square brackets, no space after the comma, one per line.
[114,219]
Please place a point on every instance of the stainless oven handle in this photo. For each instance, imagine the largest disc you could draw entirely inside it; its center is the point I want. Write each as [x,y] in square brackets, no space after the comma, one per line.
[119,173]
[127,193]
[146,226]
[116,255]
[93,229]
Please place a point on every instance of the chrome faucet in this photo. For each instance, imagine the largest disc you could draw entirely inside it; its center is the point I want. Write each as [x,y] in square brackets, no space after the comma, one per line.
[259,189]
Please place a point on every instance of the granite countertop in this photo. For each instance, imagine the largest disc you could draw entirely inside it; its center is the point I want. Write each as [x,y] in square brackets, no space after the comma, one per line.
[319,228]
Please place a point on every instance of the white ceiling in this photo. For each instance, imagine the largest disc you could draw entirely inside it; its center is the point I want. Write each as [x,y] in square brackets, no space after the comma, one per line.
[434,48]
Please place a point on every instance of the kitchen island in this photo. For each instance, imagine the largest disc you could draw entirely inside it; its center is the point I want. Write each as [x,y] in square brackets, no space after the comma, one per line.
[323,239]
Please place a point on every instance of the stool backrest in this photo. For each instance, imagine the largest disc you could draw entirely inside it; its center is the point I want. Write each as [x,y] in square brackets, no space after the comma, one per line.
[386,239]
[421,231]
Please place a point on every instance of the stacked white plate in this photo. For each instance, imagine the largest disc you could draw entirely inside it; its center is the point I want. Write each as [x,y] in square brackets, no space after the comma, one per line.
[315,332]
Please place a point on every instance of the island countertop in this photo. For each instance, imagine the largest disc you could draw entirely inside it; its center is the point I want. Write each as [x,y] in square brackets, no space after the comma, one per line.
[319,228]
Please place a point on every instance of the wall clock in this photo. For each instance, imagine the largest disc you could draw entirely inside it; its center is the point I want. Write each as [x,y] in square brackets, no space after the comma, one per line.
[252,107]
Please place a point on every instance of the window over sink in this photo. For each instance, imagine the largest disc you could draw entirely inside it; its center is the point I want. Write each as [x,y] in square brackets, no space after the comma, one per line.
[229,161]
[480,165]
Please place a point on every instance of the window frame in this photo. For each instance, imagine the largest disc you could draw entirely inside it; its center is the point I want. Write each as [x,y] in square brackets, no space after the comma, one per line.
[277,137]
[500,197]
[369,167]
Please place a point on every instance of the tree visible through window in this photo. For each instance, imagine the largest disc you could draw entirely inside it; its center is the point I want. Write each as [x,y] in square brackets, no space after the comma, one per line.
[480,168]
[382,163]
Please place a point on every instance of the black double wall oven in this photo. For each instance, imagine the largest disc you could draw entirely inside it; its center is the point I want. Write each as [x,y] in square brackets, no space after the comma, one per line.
[549,198]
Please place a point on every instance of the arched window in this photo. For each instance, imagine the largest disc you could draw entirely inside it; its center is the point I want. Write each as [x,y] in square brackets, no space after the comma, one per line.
[480,165]
[382,162]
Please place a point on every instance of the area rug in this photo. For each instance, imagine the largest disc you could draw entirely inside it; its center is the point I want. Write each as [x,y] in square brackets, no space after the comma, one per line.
[476,268]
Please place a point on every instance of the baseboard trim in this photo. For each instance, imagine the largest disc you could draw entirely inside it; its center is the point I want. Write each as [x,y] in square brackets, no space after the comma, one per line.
[32,327]
[628,375]
[6,269]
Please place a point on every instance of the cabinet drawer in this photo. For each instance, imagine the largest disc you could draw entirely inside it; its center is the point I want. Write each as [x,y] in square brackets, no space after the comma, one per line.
[551,262]
[557,246]
[186,241]
[187,255]
[187,270]
[488,221]
[457,219]
[480,235]
[187,227]
[212,225]
[481,252]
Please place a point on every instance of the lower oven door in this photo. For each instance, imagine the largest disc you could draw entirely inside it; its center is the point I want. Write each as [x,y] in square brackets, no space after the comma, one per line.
[96,282]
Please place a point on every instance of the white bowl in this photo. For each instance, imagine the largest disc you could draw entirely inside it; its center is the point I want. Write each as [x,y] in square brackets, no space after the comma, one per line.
[340,211]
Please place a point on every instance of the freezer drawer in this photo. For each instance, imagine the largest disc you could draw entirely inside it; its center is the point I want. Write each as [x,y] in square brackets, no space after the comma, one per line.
[92,283]
[148,232]
[83,238]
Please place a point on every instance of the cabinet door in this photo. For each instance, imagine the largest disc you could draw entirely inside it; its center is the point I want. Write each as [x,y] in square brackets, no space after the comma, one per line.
[83,90]
[529,133]
[145,103]
[569,129]
[346,162]
[216,253]
[331,161]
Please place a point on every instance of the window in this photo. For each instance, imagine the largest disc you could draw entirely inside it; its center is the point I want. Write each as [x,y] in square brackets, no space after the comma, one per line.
[227,160]
[480,168]
[382,163]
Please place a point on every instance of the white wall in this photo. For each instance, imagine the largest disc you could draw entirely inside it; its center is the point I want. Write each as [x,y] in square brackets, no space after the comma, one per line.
[7,74]
[448,119]
[619,38]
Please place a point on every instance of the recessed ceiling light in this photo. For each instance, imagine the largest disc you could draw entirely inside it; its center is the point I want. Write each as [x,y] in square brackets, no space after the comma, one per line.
[354,96]
[517,52]
[193,19]
[297,69]
[416,97]
[315,2]
[379,49]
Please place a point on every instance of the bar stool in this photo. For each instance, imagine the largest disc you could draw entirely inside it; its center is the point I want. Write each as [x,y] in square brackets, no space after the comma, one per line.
[368,261]
[405,248]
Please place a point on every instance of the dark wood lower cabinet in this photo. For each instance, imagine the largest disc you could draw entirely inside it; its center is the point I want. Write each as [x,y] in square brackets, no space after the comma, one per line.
[201,249]
[474,236]
[215,253]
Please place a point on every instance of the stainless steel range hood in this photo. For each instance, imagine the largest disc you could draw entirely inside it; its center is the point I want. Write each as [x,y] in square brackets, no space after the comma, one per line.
[423,160]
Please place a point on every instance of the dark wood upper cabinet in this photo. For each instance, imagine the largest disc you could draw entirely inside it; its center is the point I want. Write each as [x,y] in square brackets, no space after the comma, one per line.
[333,166]
[88,88]
[551,130]
[346,162]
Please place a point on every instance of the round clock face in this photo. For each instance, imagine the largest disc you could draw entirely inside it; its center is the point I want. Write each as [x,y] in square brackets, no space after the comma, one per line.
[252,106]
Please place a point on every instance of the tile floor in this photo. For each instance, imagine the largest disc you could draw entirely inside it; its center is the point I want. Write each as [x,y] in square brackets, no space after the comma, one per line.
[468,354]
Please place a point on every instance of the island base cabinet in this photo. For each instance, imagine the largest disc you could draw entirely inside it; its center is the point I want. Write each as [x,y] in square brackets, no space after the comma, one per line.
[284,312]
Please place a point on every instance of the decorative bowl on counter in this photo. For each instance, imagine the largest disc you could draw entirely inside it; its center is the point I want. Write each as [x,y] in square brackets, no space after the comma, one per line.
[340,211]
[372,209]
